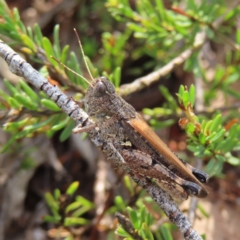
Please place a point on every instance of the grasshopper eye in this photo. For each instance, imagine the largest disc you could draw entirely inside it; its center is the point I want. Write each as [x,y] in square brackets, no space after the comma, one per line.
[100,89]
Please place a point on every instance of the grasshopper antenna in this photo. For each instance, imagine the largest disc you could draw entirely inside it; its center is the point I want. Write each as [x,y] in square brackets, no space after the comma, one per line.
[69,69]
[84,58]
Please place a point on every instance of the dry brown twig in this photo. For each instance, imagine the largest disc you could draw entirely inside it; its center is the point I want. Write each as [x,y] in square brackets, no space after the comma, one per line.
[155,76]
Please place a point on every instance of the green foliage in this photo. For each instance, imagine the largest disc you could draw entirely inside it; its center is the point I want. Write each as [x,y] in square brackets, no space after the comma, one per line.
[162,28]
[141,217]
[209,139]
[142,220]
[113,45]
[33,115]
[66,212]
[38,47]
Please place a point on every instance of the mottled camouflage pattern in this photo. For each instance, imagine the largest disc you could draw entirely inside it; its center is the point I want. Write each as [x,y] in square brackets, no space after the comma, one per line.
[121,126]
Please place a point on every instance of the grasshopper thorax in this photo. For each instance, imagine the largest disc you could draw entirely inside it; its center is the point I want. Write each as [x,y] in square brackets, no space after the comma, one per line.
[102,101]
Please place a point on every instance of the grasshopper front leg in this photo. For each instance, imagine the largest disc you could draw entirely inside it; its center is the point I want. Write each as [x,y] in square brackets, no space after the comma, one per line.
[80,129]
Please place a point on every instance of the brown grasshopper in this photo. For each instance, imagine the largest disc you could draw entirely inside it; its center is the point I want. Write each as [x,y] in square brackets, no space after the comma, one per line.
[138,146]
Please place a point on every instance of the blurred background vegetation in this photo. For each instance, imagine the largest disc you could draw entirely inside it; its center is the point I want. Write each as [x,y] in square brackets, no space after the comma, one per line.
[55,185]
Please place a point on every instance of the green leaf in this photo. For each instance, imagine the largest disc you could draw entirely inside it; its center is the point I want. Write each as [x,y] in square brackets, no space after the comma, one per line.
[207,127]
[143,214]
[29,32]
[204,237]
[28,42]
[25,101]
[192,95]
[29,91]
[57,194]
[84,201]
[134,218]
[38,34]
[148,218]
[161,124]
[66,133]
[216,122]
[60,124]
[16,15]
[185,98]
[190,128]
[163,111]
[171,101]
[47,46]
[202,210]
[232,160]
[13,103]
[147,231]
[228,144]
[120,204]
[50,105]
[52,219]
[165,233]
[202,138]
[128,184]
[51,202]
[117,76]
[214,168]
[71,221]
[233,93]
[218,135]
[72,188]
[36,126]
[56,41]
[79,212]
[181,91]
[64,54]
[10,87]
[220,158]
[120,231]
[4,95]
[238,36]
[13,126]
[73,206]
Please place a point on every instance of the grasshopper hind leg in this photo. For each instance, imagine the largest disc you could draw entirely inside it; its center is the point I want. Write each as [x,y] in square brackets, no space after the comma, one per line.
[199,174]
[143,164]
[191,188]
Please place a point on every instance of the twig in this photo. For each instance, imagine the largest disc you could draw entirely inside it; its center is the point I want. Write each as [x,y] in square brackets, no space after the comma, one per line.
[21,68]
[153,77]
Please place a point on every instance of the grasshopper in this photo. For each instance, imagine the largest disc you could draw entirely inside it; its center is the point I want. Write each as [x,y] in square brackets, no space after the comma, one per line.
[137,145]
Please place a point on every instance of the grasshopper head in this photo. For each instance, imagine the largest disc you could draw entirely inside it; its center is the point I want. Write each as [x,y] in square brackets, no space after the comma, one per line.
[99,99]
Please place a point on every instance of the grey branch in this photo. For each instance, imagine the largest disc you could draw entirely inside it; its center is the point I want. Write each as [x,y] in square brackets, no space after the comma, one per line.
[23,69]
[153,77]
